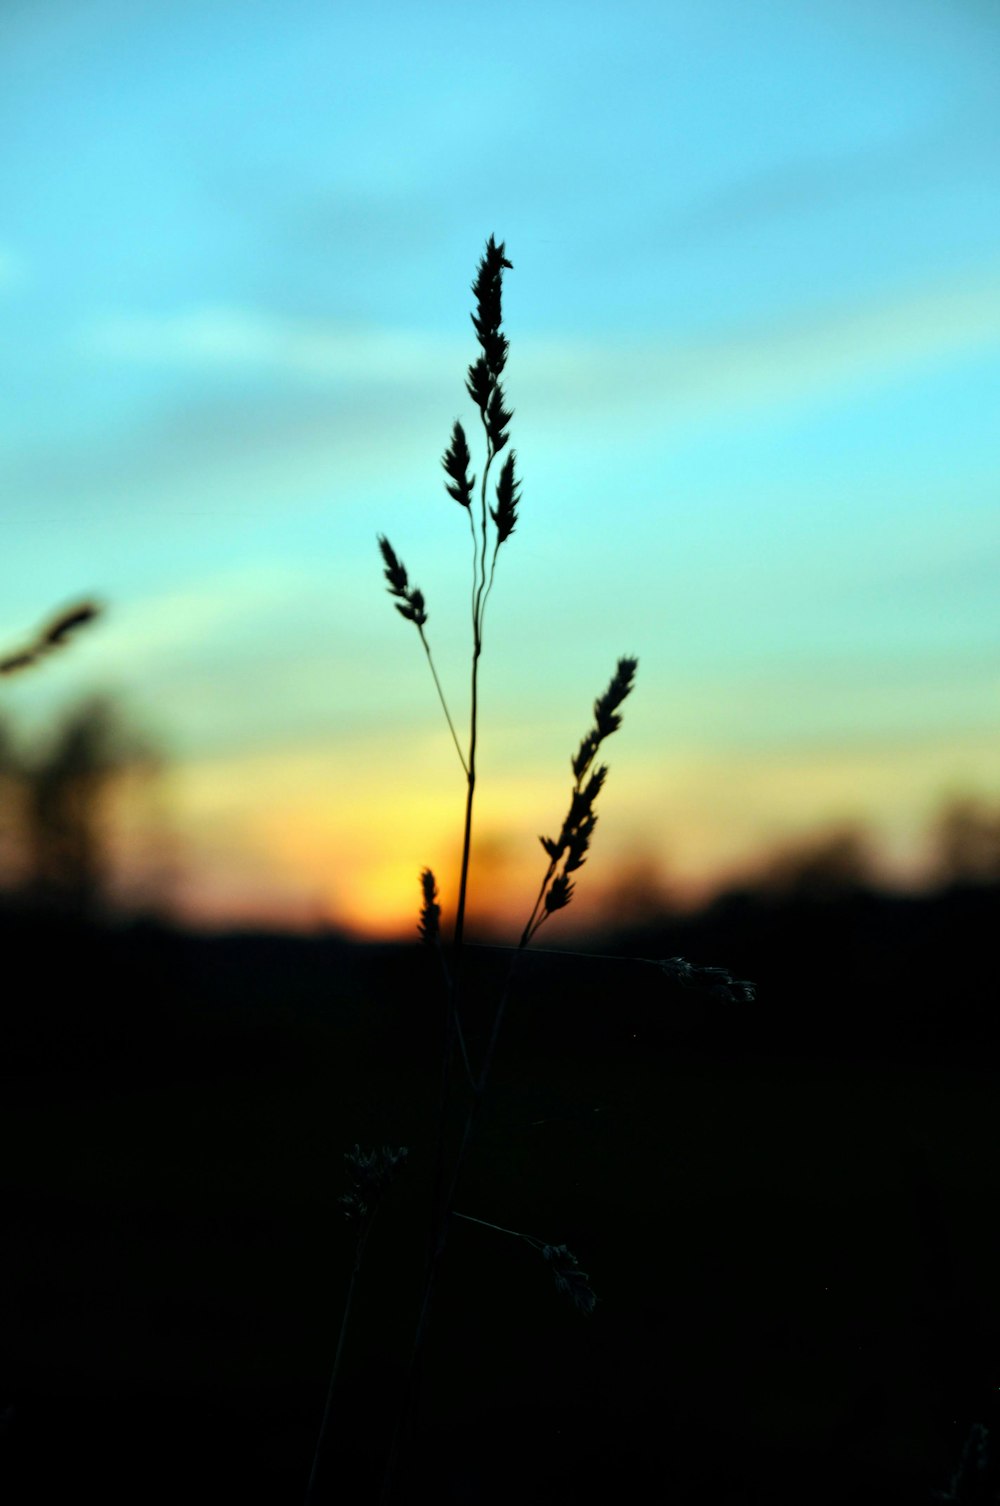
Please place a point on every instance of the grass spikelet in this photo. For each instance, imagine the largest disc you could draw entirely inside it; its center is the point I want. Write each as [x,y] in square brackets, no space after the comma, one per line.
[715,981]
[370,1173]
[456,461]
[570,1280]
[52,637]
[483,384]
[973,1483]
[412,607]
[69,621]
[430,913]
[504,514]
[578,827]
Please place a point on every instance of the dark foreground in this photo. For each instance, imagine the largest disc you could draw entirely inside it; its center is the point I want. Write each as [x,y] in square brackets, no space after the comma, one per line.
[788,1210]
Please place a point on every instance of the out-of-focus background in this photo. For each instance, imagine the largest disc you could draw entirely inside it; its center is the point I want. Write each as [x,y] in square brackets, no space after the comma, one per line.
[755,365]
[754,323]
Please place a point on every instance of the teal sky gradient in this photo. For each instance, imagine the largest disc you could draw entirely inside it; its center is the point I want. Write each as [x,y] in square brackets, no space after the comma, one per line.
[755,365]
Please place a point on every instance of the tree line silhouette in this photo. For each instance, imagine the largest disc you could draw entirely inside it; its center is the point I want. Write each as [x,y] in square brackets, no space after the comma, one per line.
[57,803]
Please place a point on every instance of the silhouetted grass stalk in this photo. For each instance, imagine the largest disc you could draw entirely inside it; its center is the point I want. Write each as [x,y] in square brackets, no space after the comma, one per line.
[566,854]
[370,1174]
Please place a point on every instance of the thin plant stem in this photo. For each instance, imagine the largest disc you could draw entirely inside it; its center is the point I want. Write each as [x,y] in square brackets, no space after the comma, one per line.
[484,387]
[449,990]
[493,566]
[444,703]
[526,933]
[542,951]
[514,1233]
[440,1240]
[324,1428]
[453,1027]
[440,1204]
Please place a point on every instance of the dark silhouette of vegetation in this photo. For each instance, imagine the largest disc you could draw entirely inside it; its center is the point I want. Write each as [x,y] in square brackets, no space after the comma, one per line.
[822,866]
[566,853]
[966,842]
[59,802]
[784,1208]
[51,638]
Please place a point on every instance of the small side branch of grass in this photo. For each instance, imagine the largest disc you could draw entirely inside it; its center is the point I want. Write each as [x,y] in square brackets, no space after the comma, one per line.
[370,1174]
[569,1279]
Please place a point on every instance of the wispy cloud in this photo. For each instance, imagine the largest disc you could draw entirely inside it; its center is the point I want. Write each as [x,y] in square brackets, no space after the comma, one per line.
[835,350]
[219,337]
[964,146]
[190,618]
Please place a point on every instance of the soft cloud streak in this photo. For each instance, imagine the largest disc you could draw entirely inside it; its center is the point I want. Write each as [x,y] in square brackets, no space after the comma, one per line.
[838,349]
[220,338]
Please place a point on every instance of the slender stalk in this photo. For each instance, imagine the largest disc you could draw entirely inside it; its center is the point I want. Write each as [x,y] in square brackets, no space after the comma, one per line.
[439,1204]
[498,1227]
[441,1235]
[449,992]
[453,1026]
[324,1428]
[478,604]
[526,933]
[542,951]
[530,1239]
[444,703]
[470,793]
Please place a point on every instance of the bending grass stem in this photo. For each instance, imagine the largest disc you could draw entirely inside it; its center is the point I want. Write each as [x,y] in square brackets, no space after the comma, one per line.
[542,951]
[444,703]
[514,1233]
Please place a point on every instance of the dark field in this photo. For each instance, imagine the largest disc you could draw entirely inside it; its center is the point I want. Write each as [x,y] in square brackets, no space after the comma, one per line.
[787,1210]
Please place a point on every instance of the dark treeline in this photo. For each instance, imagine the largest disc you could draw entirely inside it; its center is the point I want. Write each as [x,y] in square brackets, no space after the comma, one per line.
[781,1202]
[57,808]
[848,974]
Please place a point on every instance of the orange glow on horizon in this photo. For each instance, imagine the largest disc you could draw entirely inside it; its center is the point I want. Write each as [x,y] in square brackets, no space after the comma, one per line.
[311,839]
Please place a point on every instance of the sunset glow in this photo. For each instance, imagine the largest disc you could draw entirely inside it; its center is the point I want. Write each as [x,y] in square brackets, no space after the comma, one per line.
[754,323]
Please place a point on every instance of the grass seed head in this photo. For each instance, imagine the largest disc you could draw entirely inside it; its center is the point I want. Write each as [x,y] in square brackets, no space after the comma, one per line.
[718,982]
[504,514]
[559,895]
[52,637]
[411,601]
[430,913]
[456,461]
[606,705]
[69,621]
[370,1173]
[483,382]
[570,1280]
[488,290]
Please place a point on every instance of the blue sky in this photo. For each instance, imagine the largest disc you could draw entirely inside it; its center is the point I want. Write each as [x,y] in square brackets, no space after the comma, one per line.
[755,364]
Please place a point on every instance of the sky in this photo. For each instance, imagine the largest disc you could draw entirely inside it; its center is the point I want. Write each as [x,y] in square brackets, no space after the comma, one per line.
[754,325]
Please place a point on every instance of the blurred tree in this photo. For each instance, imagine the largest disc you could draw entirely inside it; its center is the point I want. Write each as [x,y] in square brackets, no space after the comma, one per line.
[965,842]
[11,800]
[638,892]
[822,866]
[59,816]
